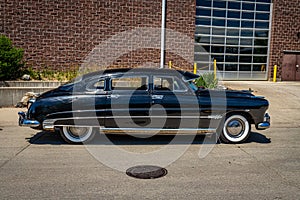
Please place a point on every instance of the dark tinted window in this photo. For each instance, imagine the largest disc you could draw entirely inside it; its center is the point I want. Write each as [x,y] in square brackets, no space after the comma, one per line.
[203,12]
[263,7]
[234,5]
[219,4]
[206,3]
[219,13]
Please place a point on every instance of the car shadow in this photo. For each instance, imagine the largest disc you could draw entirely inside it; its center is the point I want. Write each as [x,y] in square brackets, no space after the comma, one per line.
[51,138]
[258,138]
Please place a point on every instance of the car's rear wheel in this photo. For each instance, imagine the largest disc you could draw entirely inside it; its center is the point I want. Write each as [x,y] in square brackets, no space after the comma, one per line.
[77,135]
[236,129]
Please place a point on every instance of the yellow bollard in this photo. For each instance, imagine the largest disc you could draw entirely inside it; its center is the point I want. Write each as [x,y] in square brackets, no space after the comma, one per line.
[170,64]
[215,69]
[275,73]
[195,68]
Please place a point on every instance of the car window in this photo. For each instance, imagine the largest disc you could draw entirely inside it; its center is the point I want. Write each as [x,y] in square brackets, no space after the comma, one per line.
[95,85]
[168,84]
[129,83]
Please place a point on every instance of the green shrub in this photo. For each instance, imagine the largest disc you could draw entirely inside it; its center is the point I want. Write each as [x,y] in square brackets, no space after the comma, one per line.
[10,60]
[207,80]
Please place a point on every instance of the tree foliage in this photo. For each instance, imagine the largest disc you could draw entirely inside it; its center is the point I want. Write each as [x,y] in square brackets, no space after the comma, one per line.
[11,59]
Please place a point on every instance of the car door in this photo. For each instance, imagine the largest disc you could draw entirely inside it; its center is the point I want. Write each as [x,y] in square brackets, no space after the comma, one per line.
[173,103]
[128,102]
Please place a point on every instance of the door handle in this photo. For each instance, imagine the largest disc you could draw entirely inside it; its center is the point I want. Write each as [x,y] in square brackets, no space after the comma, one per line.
[157,97]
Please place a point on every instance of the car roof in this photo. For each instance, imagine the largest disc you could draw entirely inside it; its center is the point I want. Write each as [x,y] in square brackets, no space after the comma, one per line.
[144,71]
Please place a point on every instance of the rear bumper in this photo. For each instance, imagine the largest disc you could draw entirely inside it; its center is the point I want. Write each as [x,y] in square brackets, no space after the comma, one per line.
[265,124]
[23,121]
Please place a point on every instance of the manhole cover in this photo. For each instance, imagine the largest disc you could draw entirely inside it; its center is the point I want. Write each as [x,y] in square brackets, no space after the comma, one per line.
[146,172]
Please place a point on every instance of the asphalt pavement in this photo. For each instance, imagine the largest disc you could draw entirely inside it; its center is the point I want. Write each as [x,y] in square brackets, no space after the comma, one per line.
[39,165]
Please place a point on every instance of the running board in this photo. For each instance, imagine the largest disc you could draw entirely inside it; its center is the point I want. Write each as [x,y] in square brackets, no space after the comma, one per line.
[157,130]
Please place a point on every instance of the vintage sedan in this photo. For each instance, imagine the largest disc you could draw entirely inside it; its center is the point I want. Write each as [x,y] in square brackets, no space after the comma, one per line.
[141,100]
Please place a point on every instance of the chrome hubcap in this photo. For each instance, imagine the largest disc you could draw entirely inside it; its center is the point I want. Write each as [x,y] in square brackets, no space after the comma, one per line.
[235,127]
[77,131]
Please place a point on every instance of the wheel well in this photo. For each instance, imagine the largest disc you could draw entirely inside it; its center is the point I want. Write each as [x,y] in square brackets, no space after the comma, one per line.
[244,113]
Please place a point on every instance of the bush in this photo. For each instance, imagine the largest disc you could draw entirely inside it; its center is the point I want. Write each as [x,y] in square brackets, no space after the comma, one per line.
[207,80]
[10,60]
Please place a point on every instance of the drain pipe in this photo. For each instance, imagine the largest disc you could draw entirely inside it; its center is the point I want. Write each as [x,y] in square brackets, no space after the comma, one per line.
[163,34]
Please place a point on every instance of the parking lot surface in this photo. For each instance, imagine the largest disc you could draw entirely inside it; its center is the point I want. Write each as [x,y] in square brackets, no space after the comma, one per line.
[39,165]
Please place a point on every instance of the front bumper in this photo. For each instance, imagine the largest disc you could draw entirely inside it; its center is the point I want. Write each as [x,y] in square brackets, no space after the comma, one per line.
[265,124]
[23,121]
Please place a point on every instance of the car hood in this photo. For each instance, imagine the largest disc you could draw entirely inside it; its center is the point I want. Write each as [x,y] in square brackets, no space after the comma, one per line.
[228,93]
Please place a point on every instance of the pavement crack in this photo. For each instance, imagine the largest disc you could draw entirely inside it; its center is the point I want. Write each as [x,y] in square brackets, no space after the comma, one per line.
[20,151]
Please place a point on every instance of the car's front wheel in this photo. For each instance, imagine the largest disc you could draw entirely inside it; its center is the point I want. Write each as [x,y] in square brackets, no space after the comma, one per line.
[236,129]
[77,135]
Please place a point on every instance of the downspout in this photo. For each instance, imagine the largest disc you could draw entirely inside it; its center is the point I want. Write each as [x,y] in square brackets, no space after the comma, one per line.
[163,34]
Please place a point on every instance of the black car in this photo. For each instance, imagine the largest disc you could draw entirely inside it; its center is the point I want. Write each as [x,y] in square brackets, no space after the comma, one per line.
[143,99]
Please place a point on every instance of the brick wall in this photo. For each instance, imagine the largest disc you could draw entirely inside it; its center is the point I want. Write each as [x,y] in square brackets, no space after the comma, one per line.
[285,26]
[65,33]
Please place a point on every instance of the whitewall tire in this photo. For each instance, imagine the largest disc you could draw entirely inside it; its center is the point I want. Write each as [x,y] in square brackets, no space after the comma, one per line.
[77,135]
[236,129]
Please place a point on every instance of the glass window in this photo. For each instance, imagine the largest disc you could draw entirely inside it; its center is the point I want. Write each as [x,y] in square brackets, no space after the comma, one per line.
[218,22]
[231,67]
[260,67]
[217,49]
[220,67]
[205,3]
[260,59]
[219,4]
[219,13]
[261,50]
[203,11]
[261,42]
[218,40]
[247,41]
[245,67]
[200,48]
[246,59]
[247,24]
[202,39]
[219,58]
[233,32]
[247,33]
[202,30]
[163,83]
[261,33]
[263,7]
[248,15]
[129,83]
[233,50]
[218,31]
[234,5]
[202,21]
[248,6]
[246,50]
[231,58]
[232,41]
[261,24]
[95,85]
[264,1]
[262,16]
[234,14]
[233,23]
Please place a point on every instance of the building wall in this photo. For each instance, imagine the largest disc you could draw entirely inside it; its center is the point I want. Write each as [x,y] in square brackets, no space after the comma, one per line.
[62,34]
[285,27]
